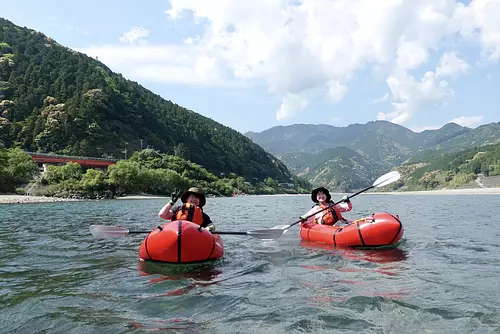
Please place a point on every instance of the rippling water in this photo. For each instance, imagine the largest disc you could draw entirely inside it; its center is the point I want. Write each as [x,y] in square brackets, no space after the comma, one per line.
[443,277]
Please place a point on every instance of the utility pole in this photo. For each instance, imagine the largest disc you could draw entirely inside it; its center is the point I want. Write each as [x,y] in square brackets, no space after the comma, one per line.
[141,144]
[125,150]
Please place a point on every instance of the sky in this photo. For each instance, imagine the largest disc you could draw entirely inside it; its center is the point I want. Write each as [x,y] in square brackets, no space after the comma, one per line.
[255,65]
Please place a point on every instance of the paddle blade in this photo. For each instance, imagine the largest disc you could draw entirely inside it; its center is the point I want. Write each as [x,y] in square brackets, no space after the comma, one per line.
[387,179]
[281,227]
[102,231]
[268,234]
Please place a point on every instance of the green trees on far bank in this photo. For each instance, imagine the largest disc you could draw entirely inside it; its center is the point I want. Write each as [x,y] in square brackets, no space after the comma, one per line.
[16,168]
[145,172]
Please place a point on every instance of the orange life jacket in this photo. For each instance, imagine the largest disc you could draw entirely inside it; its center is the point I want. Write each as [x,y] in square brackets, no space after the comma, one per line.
[191,213]
[330,215]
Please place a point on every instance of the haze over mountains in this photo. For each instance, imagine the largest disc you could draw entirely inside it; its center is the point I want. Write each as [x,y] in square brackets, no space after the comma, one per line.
[352,157]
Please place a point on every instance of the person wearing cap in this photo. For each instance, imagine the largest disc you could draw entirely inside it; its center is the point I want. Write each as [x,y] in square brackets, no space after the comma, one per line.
[192,208]
[331,216]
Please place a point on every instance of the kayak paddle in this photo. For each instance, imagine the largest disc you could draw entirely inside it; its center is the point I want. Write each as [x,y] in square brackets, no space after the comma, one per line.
[102,231]
[380,182]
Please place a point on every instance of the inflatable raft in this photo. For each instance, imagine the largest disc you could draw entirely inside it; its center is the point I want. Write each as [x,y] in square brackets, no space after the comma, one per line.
[181,241]
[377,230]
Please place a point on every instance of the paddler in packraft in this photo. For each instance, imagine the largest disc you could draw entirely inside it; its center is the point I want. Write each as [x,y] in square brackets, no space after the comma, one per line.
[331,216]
[192,208]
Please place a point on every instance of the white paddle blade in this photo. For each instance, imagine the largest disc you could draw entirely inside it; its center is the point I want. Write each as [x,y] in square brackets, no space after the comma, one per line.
[102,231]
[281,227]
[267,234]
[387,179]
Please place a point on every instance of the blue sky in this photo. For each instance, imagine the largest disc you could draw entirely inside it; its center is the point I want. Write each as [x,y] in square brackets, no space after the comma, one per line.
[252,66]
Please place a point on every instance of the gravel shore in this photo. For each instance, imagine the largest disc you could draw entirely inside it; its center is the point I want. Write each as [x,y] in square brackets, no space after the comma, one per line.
[14,199]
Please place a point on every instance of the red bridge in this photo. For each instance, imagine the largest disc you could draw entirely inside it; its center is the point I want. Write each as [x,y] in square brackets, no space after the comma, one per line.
[54,159]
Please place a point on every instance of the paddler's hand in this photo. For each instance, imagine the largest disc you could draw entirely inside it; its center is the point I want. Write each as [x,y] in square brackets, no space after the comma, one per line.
[303,217]
[174,197]
[210,228]
[346,199]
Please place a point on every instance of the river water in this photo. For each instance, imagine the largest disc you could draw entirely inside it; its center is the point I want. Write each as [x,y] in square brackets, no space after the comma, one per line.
[444,277]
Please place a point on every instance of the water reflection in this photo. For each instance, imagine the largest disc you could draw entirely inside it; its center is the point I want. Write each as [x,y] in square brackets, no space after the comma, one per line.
[351,281]
[199,272]
[373,255]
[204,273]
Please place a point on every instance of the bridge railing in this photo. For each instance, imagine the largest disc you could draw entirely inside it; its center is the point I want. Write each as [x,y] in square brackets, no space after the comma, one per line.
[70,156]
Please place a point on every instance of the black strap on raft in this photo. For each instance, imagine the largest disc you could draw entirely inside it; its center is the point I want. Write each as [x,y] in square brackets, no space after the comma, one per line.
[160,228]
[146,248]
[179,239]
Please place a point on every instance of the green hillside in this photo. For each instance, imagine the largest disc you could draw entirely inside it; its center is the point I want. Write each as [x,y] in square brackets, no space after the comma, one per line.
[449,170]
[53,99]
[380,146]
[338,168]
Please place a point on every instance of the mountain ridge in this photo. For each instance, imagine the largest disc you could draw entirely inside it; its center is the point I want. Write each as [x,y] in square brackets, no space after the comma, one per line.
[382,145]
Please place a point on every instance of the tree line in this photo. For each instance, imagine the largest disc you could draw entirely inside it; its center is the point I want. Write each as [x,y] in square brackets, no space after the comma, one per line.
[145,172]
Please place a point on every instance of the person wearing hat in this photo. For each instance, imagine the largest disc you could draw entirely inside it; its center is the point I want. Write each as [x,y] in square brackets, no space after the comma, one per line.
[192,208]
[331,216]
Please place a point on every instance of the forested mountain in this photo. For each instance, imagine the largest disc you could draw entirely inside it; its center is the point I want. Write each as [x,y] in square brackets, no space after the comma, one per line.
[380,145]
[335,168]
[449,170]
[381,140]
[53,99]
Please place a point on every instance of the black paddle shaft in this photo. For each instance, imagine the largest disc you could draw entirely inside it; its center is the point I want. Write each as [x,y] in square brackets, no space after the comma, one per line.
[215,232]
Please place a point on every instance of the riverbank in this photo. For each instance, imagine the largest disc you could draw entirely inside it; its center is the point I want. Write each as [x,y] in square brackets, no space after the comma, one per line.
[17,199]
[468,191]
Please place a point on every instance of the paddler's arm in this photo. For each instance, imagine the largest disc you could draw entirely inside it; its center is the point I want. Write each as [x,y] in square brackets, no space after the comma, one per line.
[346,205]
[207,223]
[314,209]
[166,212]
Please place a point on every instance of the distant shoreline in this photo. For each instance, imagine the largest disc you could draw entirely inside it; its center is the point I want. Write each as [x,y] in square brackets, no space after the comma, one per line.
[468,191]
[24,199]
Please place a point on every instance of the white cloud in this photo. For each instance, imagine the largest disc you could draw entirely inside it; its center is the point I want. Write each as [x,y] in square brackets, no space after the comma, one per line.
[136,35]
[290,105]
[381,99]
[450,65]
[423,128]
[302,49]
[174,64]
[410,94]
[336,120]
[480,20]
[470,122]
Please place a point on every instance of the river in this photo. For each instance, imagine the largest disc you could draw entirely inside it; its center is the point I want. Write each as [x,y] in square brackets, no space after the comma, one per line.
[55,277]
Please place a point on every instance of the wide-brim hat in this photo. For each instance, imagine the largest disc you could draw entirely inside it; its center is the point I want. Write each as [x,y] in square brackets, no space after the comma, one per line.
[315,192]
[197,192]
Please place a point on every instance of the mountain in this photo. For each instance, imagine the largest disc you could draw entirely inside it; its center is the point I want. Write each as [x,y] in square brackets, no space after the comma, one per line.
[451,170]
[338,168]
[53,99]
[381,145]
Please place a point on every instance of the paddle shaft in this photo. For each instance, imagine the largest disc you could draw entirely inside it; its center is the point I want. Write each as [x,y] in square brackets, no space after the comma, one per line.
[332,205]
[215,232]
